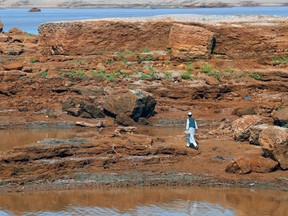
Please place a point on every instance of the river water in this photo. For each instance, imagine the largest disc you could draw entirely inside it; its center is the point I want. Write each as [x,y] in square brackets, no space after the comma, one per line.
[163,201]
[29,22]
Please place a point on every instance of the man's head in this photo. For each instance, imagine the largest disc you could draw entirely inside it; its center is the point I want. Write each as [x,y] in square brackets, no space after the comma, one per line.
[189,114]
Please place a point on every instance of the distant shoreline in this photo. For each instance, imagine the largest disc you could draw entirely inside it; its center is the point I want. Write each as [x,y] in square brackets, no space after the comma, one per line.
[148,6]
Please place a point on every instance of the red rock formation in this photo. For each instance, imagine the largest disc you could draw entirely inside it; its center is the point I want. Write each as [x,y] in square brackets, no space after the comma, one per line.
[234,41]
[190,42]
[94,37]
[274,142]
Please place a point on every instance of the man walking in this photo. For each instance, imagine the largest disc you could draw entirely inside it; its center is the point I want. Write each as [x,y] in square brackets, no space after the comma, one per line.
[191,127]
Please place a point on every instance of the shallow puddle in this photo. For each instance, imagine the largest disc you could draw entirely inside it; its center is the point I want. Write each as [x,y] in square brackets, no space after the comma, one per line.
[160,131]
[147,201]
[13,138]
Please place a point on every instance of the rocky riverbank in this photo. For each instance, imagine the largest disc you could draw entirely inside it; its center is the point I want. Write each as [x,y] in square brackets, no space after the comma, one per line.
[147,73]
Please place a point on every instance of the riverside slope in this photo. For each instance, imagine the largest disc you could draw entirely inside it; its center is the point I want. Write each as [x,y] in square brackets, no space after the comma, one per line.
[234,68]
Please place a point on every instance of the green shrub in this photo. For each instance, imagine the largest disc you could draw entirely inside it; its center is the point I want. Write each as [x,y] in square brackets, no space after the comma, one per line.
[279,61]
[126,75]
[168,75]
[145,50]
[42,74]
[168,51]
[255,76]
[186,75]
[229,70]
[109,61]
[207,68]
[78,62]
[124,52]
[76,75]
[110,77]
[190,67]
[145,76]
[216,75]
[99,75]
[34,60]
[148,58]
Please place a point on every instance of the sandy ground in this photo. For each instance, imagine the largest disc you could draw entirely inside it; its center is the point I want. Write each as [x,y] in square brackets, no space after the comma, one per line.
[140,3]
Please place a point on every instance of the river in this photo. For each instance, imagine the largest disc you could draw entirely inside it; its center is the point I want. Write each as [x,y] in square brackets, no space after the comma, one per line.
[29,22]
[164,201]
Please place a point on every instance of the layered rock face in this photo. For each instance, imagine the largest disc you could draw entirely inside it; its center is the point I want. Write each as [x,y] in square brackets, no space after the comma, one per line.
[190,42]
[94,37]
[187,40]
[251,41]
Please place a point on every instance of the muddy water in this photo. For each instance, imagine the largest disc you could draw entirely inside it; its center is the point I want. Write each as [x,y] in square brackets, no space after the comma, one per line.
[13,138]
[147,201]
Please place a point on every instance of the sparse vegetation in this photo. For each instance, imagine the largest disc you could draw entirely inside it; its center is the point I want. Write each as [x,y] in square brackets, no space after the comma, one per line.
[98,75]
[76,75]
[42,74]
[280,61]
[168,75]
[34,61]
[110,77]
[145,50]
[190,67]
[185,75]
[281,107]
[78,62]
[109,61]
[207,68]
[255,76]
[168,51]
[145,76]
[124,52]
[228,69]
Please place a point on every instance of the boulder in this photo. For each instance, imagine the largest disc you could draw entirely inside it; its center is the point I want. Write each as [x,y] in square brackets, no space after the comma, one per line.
[1,27]
[4,38]
[134,103]
[281,116]
[13,66]
[93,110]
[245,165]
[274,142]
[190,42]
[77,107]
[255,132]
[14,50]
[241,111]
[241,126]
[125,120]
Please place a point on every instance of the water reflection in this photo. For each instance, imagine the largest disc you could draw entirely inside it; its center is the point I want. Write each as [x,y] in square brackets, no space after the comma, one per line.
[147,201]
